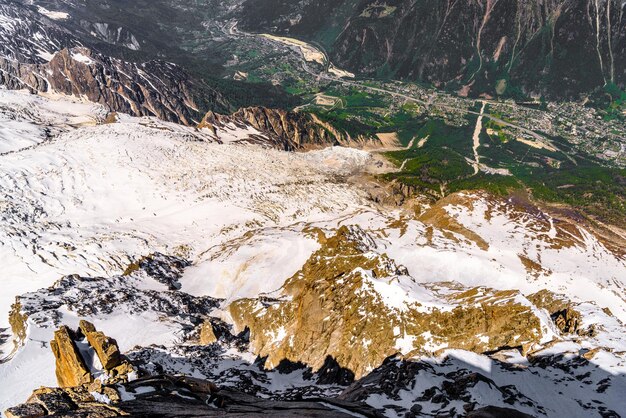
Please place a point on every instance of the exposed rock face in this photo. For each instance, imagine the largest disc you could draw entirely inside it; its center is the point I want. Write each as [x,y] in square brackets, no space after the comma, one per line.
[160,267]
[96,296]
[556,47]
[286,130]
[340,305]
[64,402]
[122,86]
[17,320]
[567,321]
[566,318]
[395,378]
[207,335]
[18,39]
[26,410]
[71,369]
[112,34]
[496,412]
[39,54]
[106,348]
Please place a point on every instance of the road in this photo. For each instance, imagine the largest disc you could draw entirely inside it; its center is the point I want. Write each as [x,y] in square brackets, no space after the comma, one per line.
[232,30]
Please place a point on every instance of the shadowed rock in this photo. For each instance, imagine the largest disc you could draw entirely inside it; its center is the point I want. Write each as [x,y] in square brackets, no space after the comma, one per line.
[170,396]
[496,412]
[27,410]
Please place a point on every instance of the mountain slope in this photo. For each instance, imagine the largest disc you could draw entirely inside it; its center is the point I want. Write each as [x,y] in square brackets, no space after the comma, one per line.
[556,48]
[170,238]
[39,54]
[377,251]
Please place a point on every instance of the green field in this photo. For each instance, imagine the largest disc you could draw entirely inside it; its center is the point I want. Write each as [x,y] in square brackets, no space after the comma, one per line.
[441,165]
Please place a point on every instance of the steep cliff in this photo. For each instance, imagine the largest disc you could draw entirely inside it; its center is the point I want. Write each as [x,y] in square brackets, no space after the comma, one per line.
[37,53]
[150,89]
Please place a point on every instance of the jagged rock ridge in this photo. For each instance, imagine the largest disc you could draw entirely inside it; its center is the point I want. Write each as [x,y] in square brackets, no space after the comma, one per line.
[39,55]
[455,384]
[287,130]
[121,86]
[344,303]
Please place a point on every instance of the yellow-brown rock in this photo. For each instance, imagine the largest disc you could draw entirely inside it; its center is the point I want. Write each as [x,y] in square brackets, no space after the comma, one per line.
[70,368]
[207,335]
[17,320]
[106,348]
[334,307]
[565,317]
[567,321]
[208,122]
[120,373]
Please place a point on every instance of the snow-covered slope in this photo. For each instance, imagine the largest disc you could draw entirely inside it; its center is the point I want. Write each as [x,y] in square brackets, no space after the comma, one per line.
[168,227]
[30,35]
[90,200]
[27,120]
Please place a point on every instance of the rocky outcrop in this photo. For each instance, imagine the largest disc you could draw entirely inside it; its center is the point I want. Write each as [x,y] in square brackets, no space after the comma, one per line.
[175,396]
[106,348]
[26,410]
[17,320]
[145,284]
[207,334]
[566,318]
[567,321]
[285,130]
[450,394]
[342,304]
[165,269]
[496,412]
[71,369]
